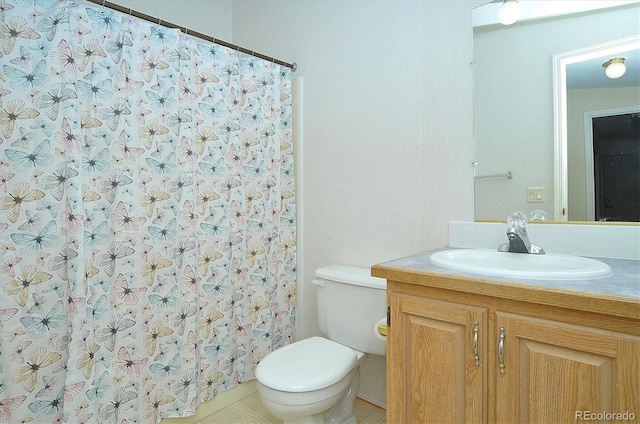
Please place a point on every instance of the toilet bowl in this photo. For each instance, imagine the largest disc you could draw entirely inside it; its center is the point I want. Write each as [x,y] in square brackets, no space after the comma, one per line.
[311,381]
[316,380]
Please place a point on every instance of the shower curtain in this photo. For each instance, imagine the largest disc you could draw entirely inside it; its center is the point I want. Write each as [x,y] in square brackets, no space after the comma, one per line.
[147,216]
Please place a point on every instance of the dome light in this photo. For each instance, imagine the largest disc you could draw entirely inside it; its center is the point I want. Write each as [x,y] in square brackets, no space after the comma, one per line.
[509,12]
[615,68]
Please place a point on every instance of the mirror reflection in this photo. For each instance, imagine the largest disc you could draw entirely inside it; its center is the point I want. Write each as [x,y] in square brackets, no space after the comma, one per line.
[598,126]
[515,108]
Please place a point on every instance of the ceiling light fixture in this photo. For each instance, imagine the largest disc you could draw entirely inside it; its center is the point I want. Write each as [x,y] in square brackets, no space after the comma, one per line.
[615,68]
[509,12]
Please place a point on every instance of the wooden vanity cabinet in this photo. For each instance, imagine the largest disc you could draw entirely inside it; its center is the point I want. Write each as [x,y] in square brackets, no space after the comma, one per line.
[455,356]
[555,371]
[435,353]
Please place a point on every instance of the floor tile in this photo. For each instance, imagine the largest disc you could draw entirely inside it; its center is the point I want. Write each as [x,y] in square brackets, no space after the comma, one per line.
[250,410]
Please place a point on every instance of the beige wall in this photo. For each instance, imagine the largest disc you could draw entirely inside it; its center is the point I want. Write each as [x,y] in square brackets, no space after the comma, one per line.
[387,135]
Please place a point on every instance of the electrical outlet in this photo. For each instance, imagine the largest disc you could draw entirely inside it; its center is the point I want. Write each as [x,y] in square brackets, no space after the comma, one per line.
[535,195]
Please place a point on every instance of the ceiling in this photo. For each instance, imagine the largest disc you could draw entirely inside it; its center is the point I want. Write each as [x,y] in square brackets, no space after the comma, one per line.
[590,73]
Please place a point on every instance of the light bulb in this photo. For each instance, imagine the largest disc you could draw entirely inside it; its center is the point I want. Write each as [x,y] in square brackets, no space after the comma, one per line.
[615,68]
[509,12]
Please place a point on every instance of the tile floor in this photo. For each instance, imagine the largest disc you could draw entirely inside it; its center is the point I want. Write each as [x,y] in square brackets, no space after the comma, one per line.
[250,410]
[243,405]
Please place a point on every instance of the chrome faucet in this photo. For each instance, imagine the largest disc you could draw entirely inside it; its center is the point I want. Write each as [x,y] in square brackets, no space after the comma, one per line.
[517,235]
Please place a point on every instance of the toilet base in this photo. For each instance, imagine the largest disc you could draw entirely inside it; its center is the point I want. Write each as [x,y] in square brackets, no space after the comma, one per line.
[340,413]
[309,419]
[318,419]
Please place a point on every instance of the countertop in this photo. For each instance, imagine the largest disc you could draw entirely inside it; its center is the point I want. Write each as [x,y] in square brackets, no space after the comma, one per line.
[617,294]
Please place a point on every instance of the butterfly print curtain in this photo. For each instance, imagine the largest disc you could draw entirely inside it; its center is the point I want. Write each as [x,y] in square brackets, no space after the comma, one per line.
[147,216]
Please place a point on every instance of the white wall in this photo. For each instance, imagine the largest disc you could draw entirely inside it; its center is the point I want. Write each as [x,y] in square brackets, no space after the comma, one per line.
[388,125]
[387,128]
[210,17]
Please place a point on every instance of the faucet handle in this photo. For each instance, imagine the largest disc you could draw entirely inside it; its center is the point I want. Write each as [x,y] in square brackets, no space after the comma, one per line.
[517,220]
[538,215]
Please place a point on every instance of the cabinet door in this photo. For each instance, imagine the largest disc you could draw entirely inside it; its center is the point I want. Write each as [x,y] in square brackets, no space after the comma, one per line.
[560,373]
[435,361]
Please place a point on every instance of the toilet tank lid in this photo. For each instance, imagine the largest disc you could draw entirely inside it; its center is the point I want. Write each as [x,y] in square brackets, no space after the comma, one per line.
[351,275]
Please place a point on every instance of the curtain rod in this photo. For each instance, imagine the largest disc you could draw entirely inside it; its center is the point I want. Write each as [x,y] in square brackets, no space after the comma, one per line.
[188,31]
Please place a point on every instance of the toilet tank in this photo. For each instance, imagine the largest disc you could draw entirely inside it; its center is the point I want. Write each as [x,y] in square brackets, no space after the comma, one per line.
[350,304]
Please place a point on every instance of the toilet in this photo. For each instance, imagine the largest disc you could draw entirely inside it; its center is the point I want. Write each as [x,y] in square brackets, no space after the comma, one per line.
[315,380]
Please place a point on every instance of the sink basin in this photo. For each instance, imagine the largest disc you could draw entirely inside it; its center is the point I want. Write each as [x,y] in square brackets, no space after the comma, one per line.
[549,266]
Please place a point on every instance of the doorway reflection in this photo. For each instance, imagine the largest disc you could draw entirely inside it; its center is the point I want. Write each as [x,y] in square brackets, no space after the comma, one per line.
[616,160]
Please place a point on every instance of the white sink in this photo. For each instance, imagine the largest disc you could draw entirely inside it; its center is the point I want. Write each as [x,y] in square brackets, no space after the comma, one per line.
[549,266]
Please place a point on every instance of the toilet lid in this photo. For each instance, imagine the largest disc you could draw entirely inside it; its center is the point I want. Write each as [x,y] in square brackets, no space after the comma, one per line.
[307,365]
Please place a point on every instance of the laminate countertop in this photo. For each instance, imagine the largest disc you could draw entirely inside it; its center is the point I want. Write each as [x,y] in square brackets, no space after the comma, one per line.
[617,294]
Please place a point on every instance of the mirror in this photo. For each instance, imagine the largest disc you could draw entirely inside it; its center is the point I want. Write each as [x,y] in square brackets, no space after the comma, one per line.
[589,107]
[518,164]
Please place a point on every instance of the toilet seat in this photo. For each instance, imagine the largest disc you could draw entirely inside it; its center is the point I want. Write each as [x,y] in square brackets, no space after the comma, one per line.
[306,365]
